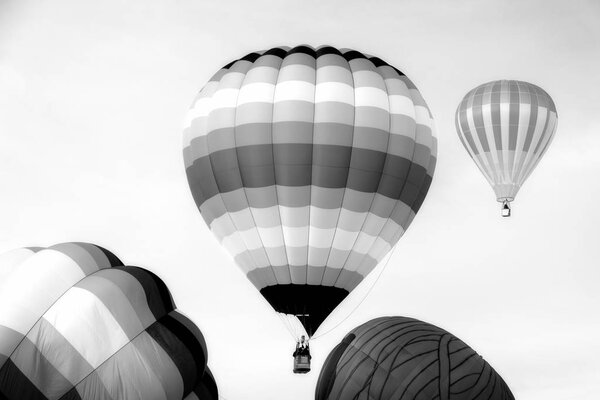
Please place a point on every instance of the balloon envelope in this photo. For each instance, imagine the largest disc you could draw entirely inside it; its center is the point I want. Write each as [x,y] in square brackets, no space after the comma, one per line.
[77,324]
[308,165]
[506,127]
[404,358]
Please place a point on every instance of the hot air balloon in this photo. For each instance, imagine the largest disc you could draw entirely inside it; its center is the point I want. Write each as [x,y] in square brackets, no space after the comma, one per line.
[506,127]
[404,358]
[77,324]
[308,165]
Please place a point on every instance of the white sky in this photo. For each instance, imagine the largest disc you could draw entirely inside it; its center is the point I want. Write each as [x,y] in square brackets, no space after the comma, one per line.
[92,97]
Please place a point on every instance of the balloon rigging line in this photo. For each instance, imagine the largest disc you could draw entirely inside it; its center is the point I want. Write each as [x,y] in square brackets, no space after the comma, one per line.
[362,300]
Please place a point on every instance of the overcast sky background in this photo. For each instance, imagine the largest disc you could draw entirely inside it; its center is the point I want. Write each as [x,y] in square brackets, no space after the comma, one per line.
[92,98]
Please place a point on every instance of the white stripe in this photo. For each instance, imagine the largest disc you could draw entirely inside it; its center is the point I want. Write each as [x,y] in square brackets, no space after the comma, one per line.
[27,294]
[504,129]
[524,117]
[344,240]
[422,117]
[87,324]
[201,108]
[402,105]
[259,92]
[334,91]
[294,90]
[295,236]
[224,98]
[271,237]
[379,249]
[371,97]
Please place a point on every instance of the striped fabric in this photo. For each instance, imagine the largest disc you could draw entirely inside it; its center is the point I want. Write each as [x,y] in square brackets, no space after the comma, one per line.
[506,126]
[309,164]
[77,324]
[206,389]
[406,359]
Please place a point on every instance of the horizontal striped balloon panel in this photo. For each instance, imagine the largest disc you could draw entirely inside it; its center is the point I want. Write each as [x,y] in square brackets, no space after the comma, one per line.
[506,127]
[308,165]
[77,324]
[398,358]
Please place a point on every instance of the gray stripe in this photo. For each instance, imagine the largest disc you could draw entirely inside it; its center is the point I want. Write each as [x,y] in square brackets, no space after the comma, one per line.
[328,218]
[39,370]
[293,167]
[532,122]
[9,338]
[478,120]
[347,277]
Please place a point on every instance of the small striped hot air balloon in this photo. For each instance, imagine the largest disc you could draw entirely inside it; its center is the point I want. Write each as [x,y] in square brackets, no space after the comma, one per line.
[393,358]
[76,324]
[506,127]
[308,165]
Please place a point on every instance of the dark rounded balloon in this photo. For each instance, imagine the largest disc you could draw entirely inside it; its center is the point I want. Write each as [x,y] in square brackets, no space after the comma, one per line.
[406,359]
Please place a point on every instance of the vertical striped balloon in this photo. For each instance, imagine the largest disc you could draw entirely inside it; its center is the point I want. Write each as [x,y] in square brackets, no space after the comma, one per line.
[308,165]
[506,126]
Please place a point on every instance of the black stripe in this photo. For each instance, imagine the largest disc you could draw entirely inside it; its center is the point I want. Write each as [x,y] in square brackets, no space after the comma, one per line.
[328,50]
[229,65]
[158,296]
[112,259]
[276,51]
[304,50]
[250,57]
[378,62]
[207,388]
[14,385]
[353,55]
[183,347]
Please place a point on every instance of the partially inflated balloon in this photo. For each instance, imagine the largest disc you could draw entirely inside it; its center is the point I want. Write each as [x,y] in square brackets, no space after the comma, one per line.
[398,358]
[77,324]
[308,165]
[506,127]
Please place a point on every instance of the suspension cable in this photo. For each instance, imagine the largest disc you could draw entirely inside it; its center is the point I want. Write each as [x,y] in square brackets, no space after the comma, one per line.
[391,254]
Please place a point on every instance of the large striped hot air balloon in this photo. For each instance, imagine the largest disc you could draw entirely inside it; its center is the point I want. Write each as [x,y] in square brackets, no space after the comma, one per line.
[506,126]
[77,324]
[407,359]
[308,165]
